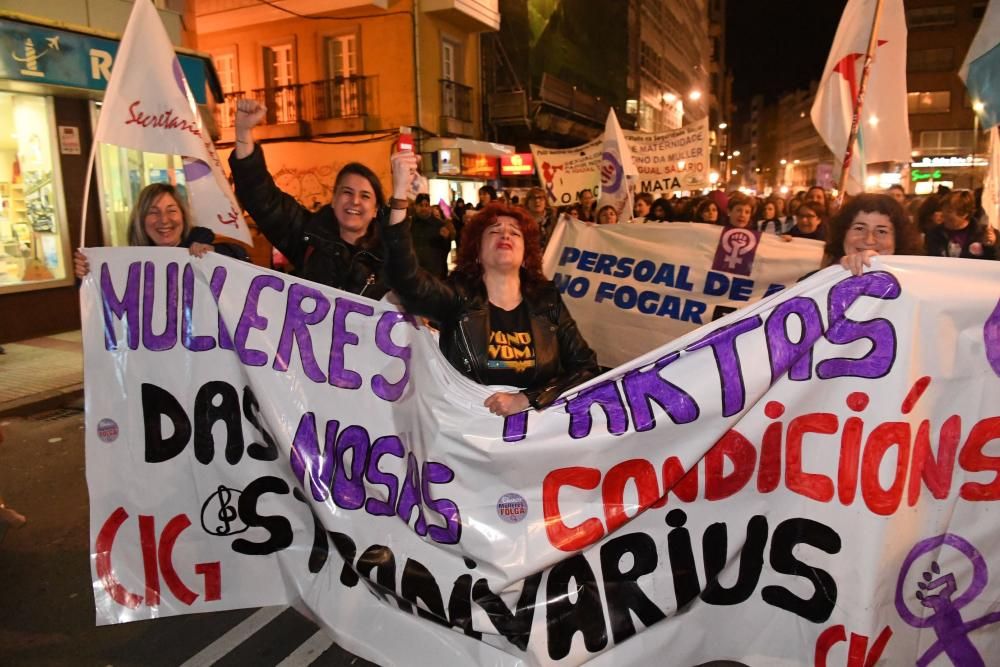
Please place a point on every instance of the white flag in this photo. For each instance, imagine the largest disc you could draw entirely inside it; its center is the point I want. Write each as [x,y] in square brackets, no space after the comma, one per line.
[616,170]
[991,184]
[148,106]
[884,130]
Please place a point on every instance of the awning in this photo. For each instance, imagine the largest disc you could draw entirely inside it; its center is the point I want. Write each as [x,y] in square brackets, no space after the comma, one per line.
[470,146]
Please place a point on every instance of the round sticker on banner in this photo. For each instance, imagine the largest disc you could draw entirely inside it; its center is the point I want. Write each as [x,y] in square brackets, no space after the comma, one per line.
[512,507]
[612,172]
[107,430]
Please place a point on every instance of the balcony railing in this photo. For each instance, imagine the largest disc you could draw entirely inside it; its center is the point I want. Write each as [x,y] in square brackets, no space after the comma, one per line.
[456,101]
[341,97]
[225,113]
[284,103]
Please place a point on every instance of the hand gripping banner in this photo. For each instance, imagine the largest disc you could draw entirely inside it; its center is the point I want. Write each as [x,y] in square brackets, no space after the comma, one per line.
[809,480]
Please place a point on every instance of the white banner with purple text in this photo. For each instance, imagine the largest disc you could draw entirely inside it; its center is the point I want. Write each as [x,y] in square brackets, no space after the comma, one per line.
[809,478]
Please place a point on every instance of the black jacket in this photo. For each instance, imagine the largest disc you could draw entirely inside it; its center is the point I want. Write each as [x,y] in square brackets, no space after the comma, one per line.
[206,235]
[562,357]
[311,241]
[936,243]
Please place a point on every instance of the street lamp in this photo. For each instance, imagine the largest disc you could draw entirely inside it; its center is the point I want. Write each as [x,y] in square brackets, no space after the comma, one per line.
[723,125]
[694,95]
[977,108]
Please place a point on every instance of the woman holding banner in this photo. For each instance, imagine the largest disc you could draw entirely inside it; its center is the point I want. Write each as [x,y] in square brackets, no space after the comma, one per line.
[501,321]
[161,219]
[866,226]
[336,245]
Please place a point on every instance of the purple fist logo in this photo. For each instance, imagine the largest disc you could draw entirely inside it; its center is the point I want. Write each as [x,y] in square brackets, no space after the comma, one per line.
[991,336]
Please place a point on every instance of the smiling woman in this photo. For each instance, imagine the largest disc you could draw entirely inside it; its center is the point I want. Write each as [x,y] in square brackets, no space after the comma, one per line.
[336,245]
[501,321]
[160,218]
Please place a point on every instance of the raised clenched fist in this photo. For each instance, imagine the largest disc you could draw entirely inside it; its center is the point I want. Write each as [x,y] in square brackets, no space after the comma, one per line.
[249,114]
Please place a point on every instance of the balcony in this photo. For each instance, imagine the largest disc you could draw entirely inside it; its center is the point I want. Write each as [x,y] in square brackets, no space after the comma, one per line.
[341,104]
[456,109]
[471,15]
[217,15]
[332,106]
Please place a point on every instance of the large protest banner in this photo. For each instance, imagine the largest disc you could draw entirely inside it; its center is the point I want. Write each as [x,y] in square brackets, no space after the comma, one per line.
[667,162]
[807,479]
[632,288]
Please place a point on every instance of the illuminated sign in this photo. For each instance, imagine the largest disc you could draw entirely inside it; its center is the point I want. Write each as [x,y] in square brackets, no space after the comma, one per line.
[449,161]
[950,161]
[518,164]
[917,175]
[479,166]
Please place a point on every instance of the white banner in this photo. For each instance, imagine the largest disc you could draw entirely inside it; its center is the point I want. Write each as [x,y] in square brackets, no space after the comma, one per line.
[809,478]
[667,162]
[632,288]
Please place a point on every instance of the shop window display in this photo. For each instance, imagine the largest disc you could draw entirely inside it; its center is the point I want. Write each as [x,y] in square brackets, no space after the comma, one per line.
[33,242]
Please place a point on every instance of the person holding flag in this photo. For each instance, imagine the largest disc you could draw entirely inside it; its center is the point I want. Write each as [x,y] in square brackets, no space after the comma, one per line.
[860,110]
[337,245]
[161,219]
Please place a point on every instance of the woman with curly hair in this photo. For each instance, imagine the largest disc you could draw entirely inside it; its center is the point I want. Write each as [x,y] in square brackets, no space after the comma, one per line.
[502,321]
[869,225]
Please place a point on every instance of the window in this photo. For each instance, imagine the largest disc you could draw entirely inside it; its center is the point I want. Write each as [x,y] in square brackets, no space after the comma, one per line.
[929,102]
[342,92]
[929,17]
[281,94]
[34,245]
[978,10]
[930,60]
[942,142]
[450,72]
[448,56]
[229,79]
[229,76]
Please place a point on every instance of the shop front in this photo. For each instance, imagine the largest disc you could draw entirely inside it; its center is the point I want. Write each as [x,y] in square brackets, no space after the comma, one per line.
[52,79]
[457,167]
[951,171]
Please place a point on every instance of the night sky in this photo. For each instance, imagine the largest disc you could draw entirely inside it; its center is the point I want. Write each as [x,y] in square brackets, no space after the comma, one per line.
[776,46]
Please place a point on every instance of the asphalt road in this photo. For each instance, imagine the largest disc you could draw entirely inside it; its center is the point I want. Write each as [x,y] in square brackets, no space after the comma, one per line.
[46,598]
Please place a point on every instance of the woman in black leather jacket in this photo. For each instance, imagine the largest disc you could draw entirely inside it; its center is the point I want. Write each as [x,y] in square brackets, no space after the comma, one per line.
[501,321]
[337,245]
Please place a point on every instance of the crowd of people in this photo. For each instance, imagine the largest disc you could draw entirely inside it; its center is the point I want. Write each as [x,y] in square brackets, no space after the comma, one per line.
[501,322]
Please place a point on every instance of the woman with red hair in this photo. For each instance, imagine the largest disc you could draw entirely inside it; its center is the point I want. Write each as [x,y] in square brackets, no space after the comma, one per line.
[501,321]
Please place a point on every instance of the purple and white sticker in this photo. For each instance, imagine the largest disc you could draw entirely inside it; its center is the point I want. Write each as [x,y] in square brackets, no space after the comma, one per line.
[107,430]
[512,507]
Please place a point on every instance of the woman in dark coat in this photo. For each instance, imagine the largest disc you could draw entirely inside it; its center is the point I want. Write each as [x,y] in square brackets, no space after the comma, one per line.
[336,245]
[501,321]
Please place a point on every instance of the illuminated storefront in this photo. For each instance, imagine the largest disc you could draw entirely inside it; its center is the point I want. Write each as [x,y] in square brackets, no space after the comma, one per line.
[52,79]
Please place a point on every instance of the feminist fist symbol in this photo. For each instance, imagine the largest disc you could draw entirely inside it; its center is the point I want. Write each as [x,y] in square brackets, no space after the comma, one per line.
[936,592]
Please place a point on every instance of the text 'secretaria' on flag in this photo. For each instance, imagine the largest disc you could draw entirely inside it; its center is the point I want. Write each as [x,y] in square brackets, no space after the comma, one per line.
[884,129]
[148,106]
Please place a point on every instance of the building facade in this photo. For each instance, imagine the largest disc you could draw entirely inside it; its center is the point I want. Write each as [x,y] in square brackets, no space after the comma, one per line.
[55,61]
[340,78]
[948,144]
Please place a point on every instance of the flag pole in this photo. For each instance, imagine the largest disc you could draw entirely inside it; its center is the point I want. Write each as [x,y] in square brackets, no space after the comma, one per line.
[86,193]
[856,118]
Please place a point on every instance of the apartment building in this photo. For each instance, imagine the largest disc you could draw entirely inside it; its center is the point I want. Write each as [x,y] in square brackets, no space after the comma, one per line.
[341,77]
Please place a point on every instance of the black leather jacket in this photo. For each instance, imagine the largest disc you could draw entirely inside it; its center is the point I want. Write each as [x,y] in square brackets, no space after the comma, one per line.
[562,357]
[311,241]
